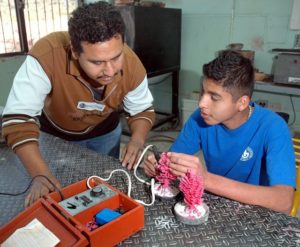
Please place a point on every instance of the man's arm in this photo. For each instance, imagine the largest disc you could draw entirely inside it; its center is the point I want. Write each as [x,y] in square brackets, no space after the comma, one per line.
[20,126]
[277,197]
[139,131]
[32,160]
[138,104]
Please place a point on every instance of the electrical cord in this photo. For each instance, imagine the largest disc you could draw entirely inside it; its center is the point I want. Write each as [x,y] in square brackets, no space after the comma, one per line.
[163,138]
[156,153]
[138,163]
[294,112]
[151,184]
[29,185]
[109,177]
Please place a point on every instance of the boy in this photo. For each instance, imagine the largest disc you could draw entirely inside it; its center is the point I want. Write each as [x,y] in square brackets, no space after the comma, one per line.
[247,149]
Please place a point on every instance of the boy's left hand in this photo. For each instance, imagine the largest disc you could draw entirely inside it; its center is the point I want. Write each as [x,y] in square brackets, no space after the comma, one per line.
[182,163]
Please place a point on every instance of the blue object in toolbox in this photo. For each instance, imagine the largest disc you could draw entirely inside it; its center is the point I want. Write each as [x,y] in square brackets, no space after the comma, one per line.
[106,215]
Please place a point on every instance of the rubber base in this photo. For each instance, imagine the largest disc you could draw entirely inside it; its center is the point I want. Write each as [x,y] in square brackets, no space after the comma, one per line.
[165,193]
[197,216]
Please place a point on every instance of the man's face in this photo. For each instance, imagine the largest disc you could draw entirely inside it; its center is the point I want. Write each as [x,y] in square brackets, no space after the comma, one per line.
[217,105]
[101,61]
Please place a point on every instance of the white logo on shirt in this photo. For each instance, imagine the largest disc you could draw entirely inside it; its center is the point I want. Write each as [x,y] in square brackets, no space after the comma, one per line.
[247,155]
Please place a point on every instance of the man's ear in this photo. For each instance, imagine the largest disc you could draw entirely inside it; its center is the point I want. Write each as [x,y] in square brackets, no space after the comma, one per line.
[243,102]
[75,54]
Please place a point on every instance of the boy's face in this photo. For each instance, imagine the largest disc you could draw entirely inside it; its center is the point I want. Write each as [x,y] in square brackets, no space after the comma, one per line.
[101,61]
[218,107]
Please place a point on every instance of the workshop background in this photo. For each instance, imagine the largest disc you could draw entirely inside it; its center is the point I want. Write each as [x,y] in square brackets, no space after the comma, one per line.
[208,26]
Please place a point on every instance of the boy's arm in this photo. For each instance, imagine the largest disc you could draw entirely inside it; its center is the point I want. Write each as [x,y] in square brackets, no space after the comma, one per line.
[276,197]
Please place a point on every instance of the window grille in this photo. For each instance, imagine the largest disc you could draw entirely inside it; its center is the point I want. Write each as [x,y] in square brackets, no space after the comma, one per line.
[23,22]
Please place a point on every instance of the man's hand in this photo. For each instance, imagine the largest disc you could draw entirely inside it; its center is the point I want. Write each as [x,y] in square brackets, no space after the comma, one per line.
[182,163]
[150,164]
[40,187]
[131,153]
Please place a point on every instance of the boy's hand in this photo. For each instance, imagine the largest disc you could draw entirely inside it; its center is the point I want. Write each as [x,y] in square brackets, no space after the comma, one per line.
[149,165]
[182,163]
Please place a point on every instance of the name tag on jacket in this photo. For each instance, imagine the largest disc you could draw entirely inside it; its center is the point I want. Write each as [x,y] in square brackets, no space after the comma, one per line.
[90,106]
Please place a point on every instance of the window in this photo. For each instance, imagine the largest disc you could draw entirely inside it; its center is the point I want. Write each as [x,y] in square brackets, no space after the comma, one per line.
[23,22]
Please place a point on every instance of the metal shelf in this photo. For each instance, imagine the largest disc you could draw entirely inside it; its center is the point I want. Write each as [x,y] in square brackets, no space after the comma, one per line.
[277,88]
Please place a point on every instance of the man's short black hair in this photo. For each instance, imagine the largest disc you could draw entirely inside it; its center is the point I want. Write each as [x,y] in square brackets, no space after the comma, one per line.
[95,22]
[233,72]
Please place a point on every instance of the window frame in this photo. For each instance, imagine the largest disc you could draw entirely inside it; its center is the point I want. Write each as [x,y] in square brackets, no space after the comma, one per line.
[22,32]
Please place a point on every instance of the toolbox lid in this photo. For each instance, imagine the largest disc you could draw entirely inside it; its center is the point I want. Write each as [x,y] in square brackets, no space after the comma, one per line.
[51,219]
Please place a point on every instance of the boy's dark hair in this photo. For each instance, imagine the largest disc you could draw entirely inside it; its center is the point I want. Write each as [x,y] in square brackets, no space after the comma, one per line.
[233,72]
[95,22]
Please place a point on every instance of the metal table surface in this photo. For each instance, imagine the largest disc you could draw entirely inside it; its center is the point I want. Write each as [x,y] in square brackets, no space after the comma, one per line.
[229,224]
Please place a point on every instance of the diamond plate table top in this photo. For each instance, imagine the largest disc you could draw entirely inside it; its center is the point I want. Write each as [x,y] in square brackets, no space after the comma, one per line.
[229,223]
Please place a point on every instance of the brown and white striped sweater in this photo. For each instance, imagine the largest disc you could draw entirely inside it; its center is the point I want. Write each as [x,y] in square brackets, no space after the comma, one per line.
[49,83]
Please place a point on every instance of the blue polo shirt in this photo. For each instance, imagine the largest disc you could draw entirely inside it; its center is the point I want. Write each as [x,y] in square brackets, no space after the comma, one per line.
[258,152]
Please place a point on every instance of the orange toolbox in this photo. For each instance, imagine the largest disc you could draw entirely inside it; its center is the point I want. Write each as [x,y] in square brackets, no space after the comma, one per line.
[71,228]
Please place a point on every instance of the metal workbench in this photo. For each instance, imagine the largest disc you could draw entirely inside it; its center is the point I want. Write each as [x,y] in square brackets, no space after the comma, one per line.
[229,224]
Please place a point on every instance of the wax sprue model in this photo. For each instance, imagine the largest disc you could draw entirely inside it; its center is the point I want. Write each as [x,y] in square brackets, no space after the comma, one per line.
[192,210]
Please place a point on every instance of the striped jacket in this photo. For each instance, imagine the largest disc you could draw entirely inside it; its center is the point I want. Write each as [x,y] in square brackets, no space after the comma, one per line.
[49,83]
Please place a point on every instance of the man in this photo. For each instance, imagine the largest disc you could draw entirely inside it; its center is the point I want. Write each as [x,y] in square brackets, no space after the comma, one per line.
[73,84]
[247,149]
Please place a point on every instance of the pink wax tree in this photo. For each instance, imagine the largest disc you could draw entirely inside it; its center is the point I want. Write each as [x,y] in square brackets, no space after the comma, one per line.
[192,187]
[164,175]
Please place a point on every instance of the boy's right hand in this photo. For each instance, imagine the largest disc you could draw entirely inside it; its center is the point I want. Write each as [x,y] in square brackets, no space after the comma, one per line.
[150,164]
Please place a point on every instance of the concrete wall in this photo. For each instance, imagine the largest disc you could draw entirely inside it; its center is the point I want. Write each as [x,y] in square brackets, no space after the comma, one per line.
[8,69]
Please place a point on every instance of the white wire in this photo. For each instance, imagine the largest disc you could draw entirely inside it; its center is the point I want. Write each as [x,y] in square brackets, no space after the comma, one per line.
[152,194]
[129,179]
[142,180]
[106,179]
[138,163]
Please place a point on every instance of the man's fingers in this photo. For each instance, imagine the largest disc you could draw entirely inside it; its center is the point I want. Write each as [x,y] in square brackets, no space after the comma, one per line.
[40,187]
[130,162]
[131,157]
[31,198]
[27,200]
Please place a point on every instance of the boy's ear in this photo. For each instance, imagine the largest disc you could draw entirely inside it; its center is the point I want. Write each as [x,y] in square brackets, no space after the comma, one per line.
[243,102]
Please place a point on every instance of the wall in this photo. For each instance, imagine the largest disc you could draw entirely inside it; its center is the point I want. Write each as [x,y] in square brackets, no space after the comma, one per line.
[282,103]
[8,69]
[210,25]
